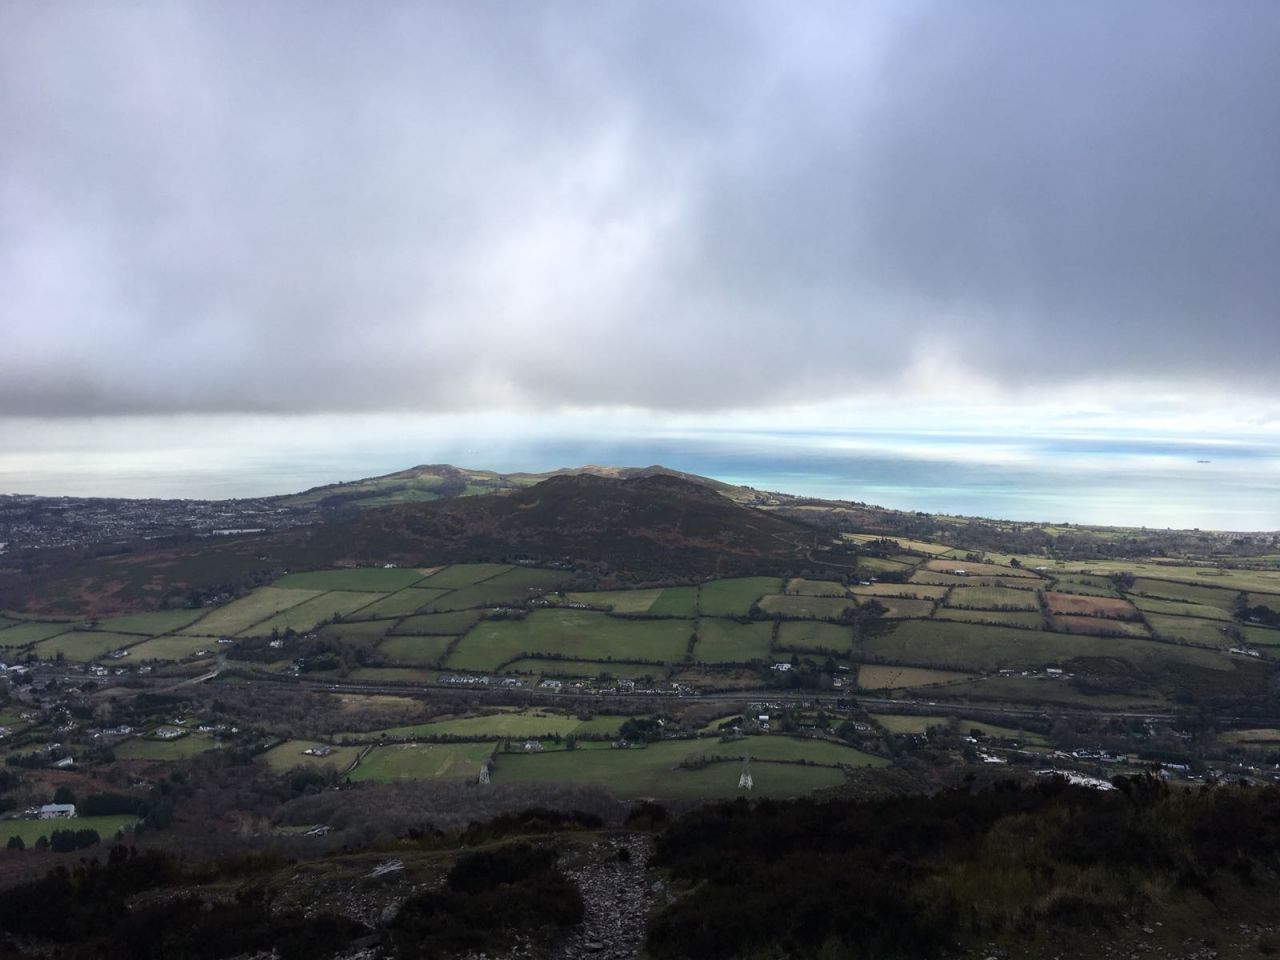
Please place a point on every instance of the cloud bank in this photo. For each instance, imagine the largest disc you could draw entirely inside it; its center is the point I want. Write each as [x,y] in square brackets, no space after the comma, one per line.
[274,208]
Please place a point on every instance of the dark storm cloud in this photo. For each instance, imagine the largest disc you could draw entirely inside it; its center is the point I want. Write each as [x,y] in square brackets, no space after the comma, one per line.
[304,206]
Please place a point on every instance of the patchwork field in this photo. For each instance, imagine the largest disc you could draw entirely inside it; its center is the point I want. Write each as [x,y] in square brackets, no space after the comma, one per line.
[513,724]
[1188,629]
[1194,593]
[458,622]
[398,604]
[816,588]
[148,748]
[513,587]
[676,602]
[310,613]
[966,569]
[239,615]
[733,598]
[31,632]
[727,641]
[422,761]
[150,624]
[1180,608]
[83,645]
[574,634]
[901,607]
[464,575]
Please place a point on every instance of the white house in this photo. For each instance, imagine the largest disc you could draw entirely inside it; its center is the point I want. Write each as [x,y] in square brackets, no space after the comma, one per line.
[57,811]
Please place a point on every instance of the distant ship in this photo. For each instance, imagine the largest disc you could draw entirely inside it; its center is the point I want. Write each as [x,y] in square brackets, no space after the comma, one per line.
[1204,461]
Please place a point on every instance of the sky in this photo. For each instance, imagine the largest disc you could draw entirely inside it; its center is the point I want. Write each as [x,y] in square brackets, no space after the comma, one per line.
[302,219]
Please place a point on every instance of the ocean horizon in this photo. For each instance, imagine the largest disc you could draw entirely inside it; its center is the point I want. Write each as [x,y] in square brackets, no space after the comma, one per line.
[1115,481]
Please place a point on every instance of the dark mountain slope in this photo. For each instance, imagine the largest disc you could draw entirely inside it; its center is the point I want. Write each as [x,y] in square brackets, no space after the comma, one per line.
[652,526]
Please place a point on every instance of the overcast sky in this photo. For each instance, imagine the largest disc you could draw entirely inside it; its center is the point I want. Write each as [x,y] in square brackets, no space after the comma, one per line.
[683,208]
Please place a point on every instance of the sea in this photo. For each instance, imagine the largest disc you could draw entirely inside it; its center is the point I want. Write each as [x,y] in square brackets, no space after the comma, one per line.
[1210,484]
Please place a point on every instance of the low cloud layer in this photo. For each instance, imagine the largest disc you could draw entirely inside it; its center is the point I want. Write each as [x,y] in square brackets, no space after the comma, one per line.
[283,207]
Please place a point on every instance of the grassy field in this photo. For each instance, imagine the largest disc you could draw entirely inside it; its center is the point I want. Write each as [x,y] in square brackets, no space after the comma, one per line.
[172,648]
[914,591]
[1180,608]
[83,645]
[1188,629]
[619,601]
[1262,636]
[971,570]
[32,830]
[575,634]
[992,598]
[816,588]
[362,633]
[398,604]
[148,748]
[808,608]
[307,615]
[656,771]
[814,636]
[452,624]
[513,587]
[1187,592]
[464,574]
[917,546]
[361,580]
[727,641]
[1099,626]
[1073,604]
[150,624]
[423,651]
[587,669]
[896,723]
[1042,690]
[1086,584]
[423,761]
[240,615]
[676,602]
[31,632]
[972,647]
[902,607]
[1026,619]
[733,598]
[287,755]
[875,677]
[513,724]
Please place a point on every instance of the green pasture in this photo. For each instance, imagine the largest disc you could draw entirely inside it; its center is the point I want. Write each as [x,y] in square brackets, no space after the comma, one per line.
[1098,626]
[32,631]
[1262,636]
[1179,608]
[992,598]
[727,641]
[1026,619]
[359,580]
[152,748]
[421,650]
[575,634]
[675,602]
[173,648]
[979,647]
[734,597]
[514,587]
[398,604]
[32,830]
[1188,629]
[896,723]
[1187,592]
[814,636]
[423,761]
[392,675]
[361,633]
[1085,584]
[875,565]
[150,624]
[513,724]
[619,601]
[464,575]
[899,608]
[911,591]
[83,645]
[307,615]
[808,608]
[239,615]
[457,622]
[287,755]
[816,588]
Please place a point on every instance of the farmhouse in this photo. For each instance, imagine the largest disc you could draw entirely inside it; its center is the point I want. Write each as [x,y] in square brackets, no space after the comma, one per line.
[57,811]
